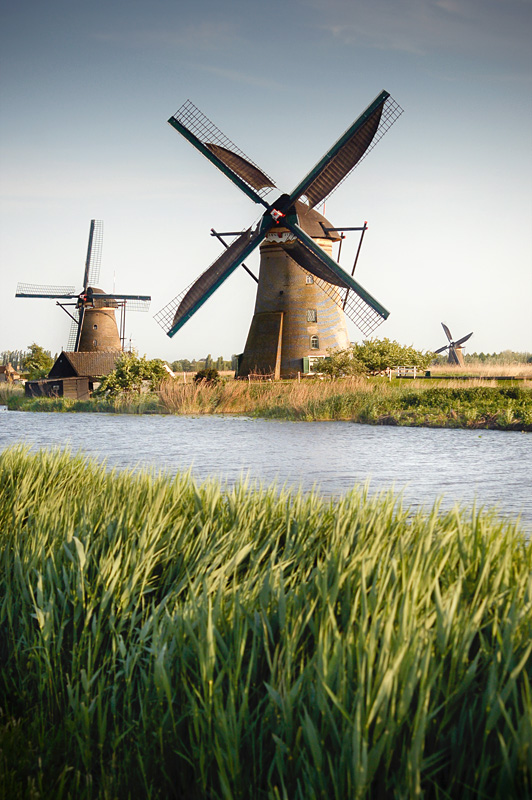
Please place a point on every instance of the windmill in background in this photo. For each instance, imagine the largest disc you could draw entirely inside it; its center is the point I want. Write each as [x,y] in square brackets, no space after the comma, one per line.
[302,293]
[455,355]
[94,327]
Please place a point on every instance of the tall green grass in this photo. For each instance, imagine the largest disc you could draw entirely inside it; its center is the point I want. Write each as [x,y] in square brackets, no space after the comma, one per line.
[165,639]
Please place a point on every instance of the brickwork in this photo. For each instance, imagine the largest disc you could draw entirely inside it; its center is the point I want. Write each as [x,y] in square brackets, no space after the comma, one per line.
[312,321]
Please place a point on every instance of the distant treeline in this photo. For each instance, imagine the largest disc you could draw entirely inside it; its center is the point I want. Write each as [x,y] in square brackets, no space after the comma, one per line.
[16,359]
[504,357]
[221,364]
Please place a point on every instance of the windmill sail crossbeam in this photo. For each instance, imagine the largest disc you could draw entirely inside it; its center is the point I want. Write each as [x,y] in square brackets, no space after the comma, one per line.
[216,146]
[36,290]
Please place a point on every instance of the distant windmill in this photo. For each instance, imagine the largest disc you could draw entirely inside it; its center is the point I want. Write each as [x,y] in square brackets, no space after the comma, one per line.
[303,295]
[454,348]
[94,327]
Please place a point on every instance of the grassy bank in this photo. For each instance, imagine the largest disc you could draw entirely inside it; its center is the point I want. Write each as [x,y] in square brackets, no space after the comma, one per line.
[162,639]
[472,404]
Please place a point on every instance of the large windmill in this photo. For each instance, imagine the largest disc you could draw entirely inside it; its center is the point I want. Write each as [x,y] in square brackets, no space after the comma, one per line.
[302,292]
[94,327]
[455,355]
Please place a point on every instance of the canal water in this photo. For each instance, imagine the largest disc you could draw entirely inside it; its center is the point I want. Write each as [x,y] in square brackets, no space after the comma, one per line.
[493,468]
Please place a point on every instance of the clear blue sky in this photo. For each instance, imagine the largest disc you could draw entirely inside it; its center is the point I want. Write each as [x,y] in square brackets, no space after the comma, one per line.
[86,89]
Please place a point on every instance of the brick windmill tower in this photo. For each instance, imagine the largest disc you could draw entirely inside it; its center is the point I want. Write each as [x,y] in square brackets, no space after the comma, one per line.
[303,295]
[94,328]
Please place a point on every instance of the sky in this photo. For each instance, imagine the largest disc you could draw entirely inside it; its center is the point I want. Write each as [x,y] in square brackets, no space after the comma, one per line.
[86,90]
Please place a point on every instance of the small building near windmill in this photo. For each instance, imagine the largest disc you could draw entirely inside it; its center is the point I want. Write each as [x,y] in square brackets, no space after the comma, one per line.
[74,375]
[8,374]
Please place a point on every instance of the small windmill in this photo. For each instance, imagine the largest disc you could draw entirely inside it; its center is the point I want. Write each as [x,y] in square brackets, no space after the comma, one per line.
[94,327]
[455,355]
[302,292]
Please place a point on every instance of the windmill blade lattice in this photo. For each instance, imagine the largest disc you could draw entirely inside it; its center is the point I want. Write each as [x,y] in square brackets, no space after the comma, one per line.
[137,305]
[221,151]
[348,294]
[73,332]
[174,315]
[37,290]
[94,254]
[350,149]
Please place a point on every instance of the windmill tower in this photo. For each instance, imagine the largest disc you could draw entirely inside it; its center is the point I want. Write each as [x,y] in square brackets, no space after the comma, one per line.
[94,327]
[455,355]
[302,293]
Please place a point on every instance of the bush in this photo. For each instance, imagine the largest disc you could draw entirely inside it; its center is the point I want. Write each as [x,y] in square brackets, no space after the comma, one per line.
[130,373]
[208,375]
[372,357]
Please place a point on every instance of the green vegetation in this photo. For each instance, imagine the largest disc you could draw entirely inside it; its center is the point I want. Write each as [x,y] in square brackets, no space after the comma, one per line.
[194,365]
[375,401]
[130,375]
[37,363]
[209,375]
[372,357]
[163,639]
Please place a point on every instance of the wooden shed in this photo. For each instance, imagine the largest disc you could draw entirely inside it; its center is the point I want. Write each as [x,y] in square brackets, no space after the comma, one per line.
[74,375]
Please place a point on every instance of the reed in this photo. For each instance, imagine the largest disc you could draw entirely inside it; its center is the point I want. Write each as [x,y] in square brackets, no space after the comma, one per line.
[488,371]
[161,638]
[464,404]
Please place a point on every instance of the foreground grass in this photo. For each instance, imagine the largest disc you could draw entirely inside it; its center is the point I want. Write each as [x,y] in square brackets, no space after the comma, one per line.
[162,639]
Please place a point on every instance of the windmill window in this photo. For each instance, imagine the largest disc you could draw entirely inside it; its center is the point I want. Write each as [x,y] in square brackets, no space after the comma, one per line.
[95,342]
[95,327]
[314,343]
[309,279]
[312,315]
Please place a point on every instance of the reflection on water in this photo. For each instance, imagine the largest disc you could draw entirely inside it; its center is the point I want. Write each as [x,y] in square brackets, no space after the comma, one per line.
[493,467]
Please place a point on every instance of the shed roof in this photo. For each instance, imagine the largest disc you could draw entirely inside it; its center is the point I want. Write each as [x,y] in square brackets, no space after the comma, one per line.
[84,365]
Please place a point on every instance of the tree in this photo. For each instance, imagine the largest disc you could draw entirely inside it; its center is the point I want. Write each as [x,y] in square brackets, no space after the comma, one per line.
[38,362]
[372,357]
[130,373]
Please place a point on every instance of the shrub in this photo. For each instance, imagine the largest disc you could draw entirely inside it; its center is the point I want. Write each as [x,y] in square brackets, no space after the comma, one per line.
[372,357]
[130,373]
[208,375]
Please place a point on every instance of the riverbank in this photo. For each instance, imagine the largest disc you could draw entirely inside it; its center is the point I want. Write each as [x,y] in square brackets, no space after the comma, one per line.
[165,638]
[459,404]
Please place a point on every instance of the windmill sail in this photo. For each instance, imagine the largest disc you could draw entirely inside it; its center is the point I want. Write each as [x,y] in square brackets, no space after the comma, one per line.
[37,290]
[174,315]
[203,134]
[250,173]
[73,332]
[359,139]
[94,254]
[335,166]
[355,306]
